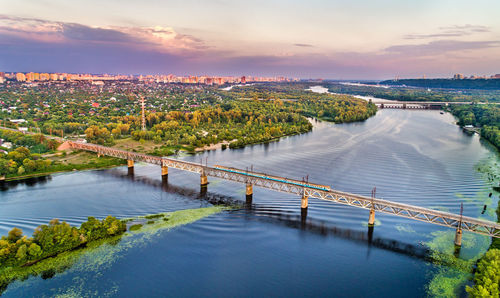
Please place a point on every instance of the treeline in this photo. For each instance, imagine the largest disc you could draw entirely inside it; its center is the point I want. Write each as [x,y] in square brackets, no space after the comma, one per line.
[239,122]
[417,94]
[337,108]
[36,143]
[49,240]
[487,277]
[485,116]
[486,84]
[338,111]
[21,161]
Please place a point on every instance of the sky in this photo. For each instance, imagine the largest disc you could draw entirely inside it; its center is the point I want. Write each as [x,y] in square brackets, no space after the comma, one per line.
[329,39]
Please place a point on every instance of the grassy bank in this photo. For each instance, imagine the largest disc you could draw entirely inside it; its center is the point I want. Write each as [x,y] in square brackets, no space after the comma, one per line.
[103,253]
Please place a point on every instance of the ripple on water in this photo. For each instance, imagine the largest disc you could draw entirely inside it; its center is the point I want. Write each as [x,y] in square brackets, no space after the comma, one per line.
[412,157]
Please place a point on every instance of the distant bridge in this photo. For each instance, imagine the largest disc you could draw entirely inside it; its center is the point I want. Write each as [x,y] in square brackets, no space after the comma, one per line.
[304,189]
[420,105]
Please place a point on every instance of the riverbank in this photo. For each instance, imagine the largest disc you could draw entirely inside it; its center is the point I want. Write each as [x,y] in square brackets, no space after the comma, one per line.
[104,251]
[72,161]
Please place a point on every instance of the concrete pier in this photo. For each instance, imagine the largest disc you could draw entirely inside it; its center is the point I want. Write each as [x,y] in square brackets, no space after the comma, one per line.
[371,219]
[458,237]
[304,202]
[164,171]
[249,190]
[203,180]
[130,163]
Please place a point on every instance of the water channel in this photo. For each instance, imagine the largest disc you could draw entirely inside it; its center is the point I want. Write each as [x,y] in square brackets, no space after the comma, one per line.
[268,248]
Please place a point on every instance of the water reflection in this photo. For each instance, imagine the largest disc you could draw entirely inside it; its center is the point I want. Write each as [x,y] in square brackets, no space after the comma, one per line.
[30,182]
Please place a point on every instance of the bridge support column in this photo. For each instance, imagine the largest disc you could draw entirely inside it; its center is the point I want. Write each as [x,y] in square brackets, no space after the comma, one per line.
[371,219]
[404,106]
[458,237]
[164,171]
[249,190]
[203,180]
[249,194]
[130,163]
[304,201]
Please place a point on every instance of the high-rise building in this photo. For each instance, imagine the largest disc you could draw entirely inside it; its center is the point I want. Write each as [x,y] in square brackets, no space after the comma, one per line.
[20,77]
[30,77]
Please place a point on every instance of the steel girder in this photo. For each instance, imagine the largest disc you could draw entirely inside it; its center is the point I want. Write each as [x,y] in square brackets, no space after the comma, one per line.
[413,212]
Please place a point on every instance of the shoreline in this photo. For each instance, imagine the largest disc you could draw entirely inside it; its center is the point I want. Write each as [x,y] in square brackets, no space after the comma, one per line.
[150,225]
[44,174]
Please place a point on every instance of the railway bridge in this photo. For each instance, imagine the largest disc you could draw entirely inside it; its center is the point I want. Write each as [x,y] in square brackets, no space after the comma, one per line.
[303,189]
[421,105]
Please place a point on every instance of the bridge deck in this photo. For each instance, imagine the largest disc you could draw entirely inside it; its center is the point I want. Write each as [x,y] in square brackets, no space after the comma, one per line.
[308,189]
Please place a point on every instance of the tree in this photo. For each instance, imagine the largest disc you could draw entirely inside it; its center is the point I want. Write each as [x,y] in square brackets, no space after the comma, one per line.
[15,234]
[487,278]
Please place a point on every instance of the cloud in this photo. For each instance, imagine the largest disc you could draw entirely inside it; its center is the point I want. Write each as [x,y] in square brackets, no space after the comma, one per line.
[86,33]
[304,45]
[440,47]
[29,44]
[161,39]
[451,31]
[469,27]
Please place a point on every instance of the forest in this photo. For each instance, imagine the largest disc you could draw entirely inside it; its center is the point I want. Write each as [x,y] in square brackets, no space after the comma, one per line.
[416,94]
[487,117]
[485,84]
[178,116]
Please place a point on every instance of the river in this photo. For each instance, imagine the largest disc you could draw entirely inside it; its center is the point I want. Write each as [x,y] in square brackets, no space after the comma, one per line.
[267,248]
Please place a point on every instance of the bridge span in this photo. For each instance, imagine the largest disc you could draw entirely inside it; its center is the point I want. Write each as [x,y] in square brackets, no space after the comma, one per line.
[303,189]
[395,104]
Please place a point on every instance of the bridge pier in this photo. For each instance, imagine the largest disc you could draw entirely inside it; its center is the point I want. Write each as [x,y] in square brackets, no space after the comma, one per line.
[249,193]
[164,171]
[249,189]
[203,180]
[304,201]
[130,163]
[303,217]
[371,219]
[458,237]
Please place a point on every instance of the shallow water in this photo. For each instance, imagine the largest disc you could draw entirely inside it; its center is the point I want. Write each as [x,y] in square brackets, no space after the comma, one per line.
[268,248]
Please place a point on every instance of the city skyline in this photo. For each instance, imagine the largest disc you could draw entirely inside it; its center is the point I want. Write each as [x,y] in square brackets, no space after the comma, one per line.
[318,39]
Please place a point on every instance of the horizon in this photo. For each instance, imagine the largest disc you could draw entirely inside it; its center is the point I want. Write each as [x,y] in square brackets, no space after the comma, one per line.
[332,40]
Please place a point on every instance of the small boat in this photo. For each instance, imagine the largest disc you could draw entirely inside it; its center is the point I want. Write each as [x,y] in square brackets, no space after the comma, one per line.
[441,113]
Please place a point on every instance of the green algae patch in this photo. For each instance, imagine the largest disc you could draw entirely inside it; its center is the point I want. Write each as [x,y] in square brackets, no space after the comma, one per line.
[453,273]
[100,254]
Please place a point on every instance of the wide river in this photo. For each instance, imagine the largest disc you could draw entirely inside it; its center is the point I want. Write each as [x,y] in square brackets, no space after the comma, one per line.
[267,248]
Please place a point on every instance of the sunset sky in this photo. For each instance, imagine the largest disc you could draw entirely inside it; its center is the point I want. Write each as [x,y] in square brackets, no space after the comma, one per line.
[356,39]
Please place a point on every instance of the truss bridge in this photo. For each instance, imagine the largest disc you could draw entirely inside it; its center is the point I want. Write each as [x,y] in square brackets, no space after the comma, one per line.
[303,189]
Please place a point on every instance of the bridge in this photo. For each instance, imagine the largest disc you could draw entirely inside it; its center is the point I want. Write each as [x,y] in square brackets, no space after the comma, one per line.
[304,189]
[395,104]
